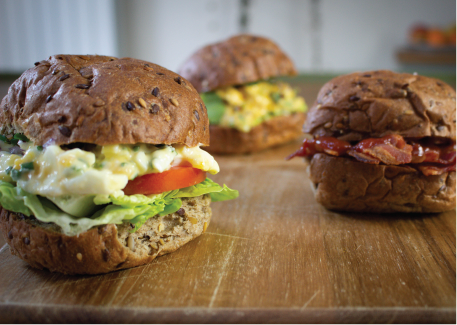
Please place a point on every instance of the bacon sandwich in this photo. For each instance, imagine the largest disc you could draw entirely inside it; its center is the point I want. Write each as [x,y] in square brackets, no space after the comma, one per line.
[381,141]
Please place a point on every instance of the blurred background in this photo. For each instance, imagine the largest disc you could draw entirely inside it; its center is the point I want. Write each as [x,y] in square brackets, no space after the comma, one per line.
[323,37]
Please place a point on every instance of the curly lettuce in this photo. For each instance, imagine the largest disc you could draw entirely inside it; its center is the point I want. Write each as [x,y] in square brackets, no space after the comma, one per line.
[115,208]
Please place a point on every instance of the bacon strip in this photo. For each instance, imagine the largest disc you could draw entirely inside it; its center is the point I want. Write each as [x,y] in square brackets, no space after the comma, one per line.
[391,150]
[429,170]
[430,158]
[329,145]
[363,157]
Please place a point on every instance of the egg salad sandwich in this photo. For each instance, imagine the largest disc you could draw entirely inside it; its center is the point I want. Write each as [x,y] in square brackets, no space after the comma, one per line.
[382,142]
[249,109]
[100,164]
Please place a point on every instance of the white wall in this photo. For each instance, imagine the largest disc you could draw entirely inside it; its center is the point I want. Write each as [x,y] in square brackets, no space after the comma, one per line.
[288,23]
[167,31]
[320,35]
[32,30]
[364,34]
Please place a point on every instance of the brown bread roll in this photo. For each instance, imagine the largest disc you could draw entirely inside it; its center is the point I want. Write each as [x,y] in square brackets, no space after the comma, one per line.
[67,97]
[70,108]
[238,61]
[381,141]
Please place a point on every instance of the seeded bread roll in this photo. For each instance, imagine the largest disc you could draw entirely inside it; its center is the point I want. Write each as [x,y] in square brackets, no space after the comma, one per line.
[105,248]
[103,100]
[278,130]
[235,61]
[346,185]
[377,103]
[85,100]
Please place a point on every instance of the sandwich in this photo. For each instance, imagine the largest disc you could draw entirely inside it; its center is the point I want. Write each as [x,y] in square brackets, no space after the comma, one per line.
[100,165]
[381,141]
[249,108]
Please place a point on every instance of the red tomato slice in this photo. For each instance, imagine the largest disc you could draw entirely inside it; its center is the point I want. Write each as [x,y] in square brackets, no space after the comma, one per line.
[172,179]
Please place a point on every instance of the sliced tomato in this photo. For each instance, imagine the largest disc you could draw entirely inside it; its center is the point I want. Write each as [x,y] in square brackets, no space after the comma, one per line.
[172,179]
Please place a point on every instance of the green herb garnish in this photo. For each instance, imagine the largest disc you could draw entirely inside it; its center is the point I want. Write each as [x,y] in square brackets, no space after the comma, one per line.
[20,136]
[276,97]
[16,174]
[27,166]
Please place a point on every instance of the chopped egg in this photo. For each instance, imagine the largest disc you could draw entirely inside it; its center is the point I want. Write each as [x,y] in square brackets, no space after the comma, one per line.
[198,158]
[250,105]
[54,171]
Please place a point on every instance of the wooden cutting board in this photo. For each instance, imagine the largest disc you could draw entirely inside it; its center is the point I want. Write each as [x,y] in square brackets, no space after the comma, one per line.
[272,255]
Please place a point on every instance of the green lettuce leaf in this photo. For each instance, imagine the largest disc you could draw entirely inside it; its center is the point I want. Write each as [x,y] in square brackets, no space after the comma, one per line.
[12,198]
[217,192]
[224,194]
[128,200]
[171,206]
[117,208]
[220,193]
[45,211]
[134,215]
[215,107]
[76,205]
[205,187]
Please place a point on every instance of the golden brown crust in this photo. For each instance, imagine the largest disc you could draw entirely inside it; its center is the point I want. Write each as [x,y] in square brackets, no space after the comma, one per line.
[346,185]
[377,103]
[105,248]
[104,100]
[277,131]
[237,60]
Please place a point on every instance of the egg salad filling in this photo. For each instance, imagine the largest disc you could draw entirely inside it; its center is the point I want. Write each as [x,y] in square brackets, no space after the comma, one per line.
[104,170]
[244,107]
[81,185]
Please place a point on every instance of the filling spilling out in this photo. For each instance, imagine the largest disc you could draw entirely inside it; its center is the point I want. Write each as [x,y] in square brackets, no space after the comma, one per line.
[246,106]
[431,156]
[79,186]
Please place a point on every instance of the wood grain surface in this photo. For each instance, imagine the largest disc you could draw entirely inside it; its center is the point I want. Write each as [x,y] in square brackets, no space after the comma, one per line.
[273,255]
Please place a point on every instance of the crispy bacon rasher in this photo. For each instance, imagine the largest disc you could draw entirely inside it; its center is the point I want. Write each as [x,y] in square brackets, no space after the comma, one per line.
[430,159]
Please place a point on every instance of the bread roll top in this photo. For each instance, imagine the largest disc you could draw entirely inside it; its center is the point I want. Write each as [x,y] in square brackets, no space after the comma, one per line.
[235,61]
[104,100]
[369,104]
